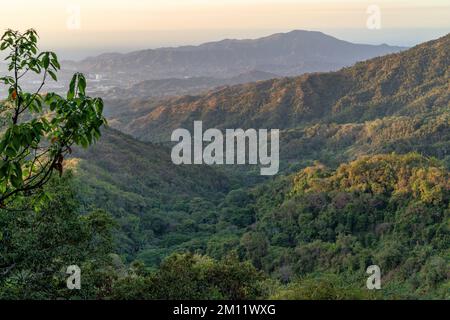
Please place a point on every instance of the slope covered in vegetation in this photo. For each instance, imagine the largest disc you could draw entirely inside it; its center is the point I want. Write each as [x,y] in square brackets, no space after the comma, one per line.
[388,210]
[352,193]
[403,84]
[147,194]
[365,180]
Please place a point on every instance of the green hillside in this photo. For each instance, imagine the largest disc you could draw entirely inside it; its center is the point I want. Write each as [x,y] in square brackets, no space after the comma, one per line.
[145,192]
[333,143]
[365,180]
[388,210]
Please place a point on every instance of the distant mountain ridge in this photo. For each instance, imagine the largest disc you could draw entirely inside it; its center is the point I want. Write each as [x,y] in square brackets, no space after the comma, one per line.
[286,54]
[406,83]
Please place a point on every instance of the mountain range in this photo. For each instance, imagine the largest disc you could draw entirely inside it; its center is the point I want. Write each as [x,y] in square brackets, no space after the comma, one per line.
[285,54]
[364,179]
[396,103]
[401,84]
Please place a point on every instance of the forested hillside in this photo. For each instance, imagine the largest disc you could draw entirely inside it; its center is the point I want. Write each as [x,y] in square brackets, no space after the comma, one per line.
[150,197]
[403,84]
[364,180]
[365,158]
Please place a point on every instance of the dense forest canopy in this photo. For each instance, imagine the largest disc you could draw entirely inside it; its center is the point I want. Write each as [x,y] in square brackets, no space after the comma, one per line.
[364,181]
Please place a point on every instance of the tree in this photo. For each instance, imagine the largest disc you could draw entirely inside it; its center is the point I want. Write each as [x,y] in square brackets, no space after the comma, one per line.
[37,247]
[38,130]
[192,276]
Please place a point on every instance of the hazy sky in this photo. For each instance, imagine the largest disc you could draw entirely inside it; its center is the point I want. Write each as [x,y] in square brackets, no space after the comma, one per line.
[81,27]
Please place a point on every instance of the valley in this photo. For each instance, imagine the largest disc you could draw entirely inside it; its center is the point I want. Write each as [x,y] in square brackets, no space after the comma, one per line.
[363,177]
[358,172]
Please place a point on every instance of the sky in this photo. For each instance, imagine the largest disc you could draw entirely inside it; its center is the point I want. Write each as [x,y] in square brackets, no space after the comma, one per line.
[77,28]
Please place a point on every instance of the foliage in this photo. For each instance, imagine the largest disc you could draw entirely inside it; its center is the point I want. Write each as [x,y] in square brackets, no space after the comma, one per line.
[38,130]
[37,247]
[389,210]
[366,181]
[322,287]
[187,276]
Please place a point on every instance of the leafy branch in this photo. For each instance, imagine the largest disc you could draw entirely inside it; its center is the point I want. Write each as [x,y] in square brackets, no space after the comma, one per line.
[39,130]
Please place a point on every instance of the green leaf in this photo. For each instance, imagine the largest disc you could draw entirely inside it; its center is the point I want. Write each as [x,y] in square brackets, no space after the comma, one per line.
[54,60]
[71,92]
[53,75]
[82,84]
[45,61]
